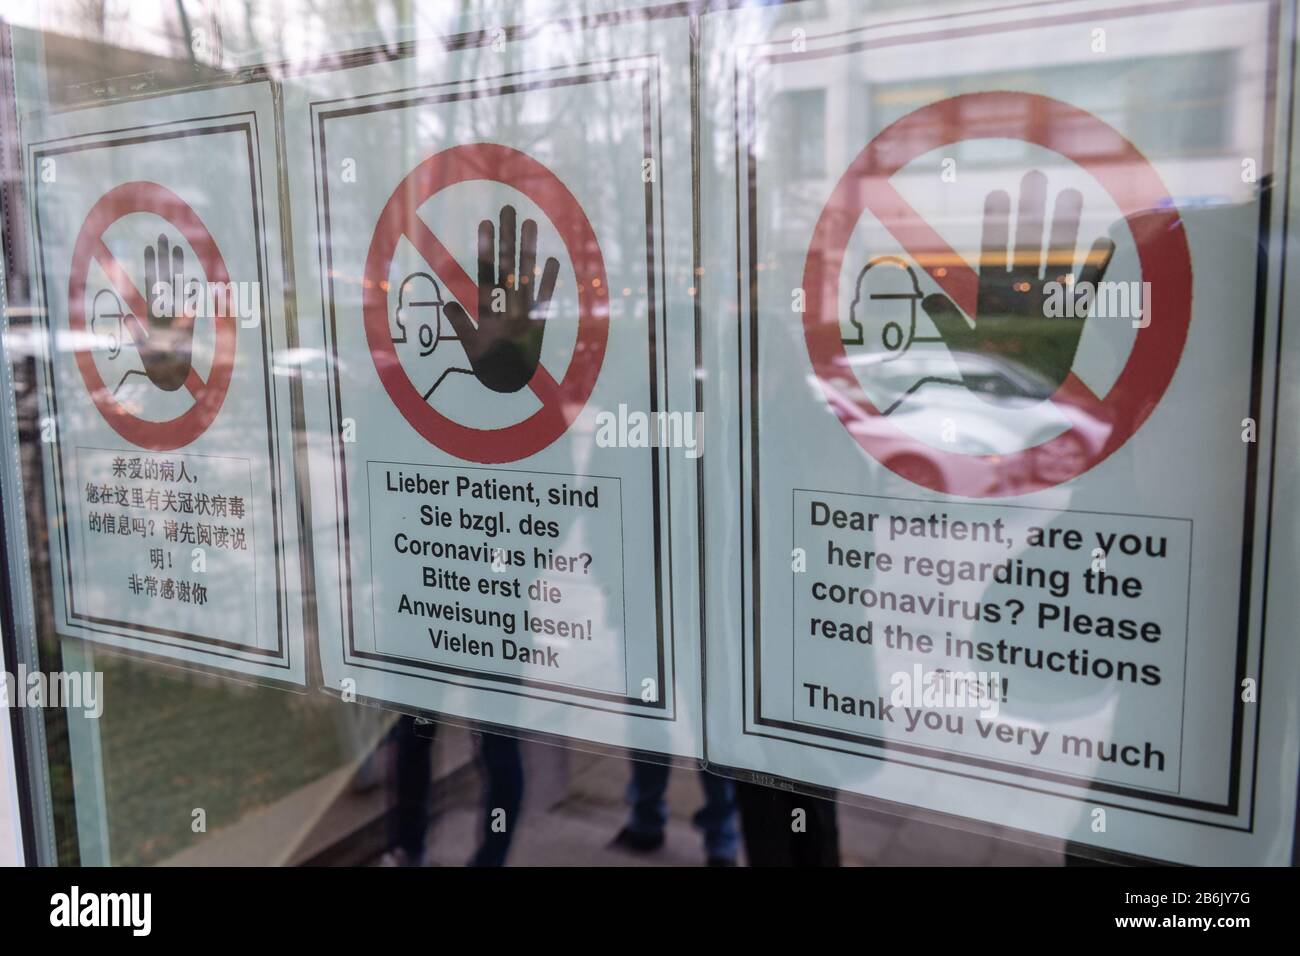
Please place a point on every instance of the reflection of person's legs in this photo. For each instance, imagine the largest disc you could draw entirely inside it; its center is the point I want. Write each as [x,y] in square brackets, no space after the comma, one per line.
[767,817]
[644,830]
[414,755]
[717,818]
[822,846]
[503,793]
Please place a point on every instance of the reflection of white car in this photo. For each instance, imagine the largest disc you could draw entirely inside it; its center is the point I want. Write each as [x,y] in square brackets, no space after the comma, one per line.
[1010,414]
[312,365]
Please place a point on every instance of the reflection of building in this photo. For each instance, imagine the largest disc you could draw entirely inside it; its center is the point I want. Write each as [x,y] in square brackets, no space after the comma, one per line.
[1193,96]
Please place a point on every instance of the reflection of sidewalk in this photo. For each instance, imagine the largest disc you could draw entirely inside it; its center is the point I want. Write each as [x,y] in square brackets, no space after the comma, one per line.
[328,822]
[573,807]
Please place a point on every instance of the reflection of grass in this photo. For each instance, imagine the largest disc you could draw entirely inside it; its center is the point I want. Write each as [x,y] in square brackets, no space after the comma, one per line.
[1043,348]
[62,805]
[174,741]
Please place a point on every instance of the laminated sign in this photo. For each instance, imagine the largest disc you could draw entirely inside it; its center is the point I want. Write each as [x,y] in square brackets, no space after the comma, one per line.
[499,382]
[1005,348]
[165,434]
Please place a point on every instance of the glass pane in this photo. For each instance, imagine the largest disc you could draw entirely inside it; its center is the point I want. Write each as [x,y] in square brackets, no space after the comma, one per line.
[601,432]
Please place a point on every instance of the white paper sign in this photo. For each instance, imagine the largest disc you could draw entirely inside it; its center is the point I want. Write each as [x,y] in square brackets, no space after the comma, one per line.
[165,431]
[494,263]
[998,385]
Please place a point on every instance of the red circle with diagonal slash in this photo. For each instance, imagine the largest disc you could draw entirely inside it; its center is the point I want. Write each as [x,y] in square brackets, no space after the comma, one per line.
[562,401]
[1131,182]
[123,200]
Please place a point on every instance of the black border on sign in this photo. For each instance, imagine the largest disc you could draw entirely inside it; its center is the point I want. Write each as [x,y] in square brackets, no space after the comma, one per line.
[405,98]
[280,657]
[1062,776]
[781,52]
[470,671]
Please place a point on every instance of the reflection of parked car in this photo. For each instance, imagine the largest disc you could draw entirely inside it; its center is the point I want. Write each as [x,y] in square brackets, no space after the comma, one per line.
[1016,413]
[311,365]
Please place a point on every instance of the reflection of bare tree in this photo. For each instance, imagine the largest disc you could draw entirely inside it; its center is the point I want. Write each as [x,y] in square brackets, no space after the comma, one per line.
[184,21]
[94,14]
[585,126]
[307,29]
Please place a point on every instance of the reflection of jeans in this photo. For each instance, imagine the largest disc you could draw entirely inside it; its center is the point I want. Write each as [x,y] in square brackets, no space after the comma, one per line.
[717,818]
[502,767]
[766,814]
[414,755]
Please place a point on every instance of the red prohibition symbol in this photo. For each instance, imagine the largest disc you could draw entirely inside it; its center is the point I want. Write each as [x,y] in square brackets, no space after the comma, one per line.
[561,401]
[209,395]
[1122,171]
